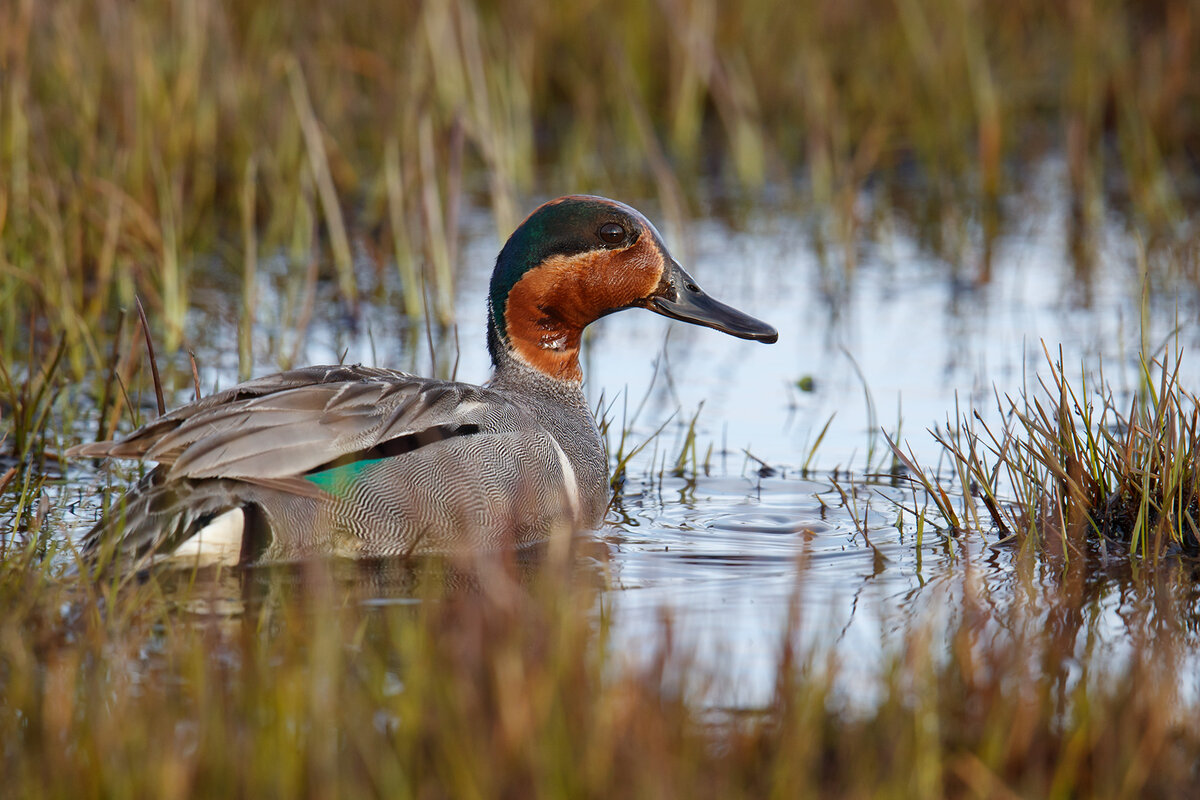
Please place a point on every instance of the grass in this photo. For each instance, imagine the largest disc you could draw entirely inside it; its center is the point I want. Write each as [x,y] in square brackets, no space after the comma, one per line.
[151,150]
[138,139]
[505,681]
[1069,473]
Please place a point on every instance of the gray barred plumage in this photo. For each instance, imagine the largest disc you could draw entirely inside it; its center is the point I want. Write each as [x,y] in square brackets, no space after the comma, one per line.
[259,443]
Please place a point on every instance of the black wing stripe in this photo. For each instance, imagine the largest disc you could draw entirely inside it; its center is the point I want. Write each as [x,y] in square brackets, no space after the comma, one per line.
[402,444]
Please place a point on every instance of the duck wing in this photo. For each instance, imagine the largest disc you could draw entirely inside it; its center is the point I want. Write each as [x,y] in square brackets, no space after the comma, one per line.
[295,422]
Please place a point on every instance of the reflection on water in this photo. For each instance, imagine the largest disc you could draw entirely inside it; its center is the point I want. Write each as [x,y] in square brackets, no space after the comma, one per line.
[738,559]
[376,582]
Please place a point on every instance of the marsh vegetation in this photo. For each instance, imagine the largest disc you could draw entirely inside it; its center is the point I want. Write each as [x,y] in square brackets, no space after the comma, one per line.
[979,219]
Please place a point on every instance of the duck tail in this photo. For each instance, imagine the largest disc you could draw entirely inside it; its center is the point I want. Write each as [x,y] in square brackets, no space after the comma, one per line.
[195,521]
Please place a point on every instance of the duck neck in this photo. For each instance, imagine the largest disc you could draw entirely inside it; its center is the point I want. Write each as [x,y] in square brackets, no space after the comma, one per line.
[541,347]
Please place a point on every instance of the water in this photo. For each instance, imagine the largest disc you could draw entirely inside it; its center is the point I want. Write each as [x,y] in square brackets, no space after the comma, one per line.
[743,556]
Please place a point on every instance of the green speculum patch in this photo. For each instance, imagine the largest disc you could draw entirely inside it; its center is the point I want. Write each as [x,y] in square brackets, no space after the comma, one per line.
[339,481]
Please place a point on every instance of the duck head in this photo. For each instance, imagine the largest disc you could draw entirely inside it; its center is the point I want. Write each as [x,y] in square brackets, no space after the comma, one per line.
[578,258]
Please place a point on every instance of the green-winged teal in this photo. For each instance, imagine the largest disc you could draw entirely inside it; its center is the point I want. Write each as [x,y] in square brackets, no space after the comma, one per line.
[362,461]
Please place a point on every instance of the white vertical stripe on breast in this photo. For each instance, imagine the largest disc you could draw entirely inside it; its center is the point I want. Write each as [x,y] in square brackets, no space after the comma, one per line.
[570,482]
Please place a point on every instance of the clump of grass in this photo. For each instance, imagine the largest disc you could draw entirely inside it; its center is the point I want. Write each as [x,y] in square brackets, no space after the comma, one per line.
[1070,471]
[26,460]
[620,447]
[29,399]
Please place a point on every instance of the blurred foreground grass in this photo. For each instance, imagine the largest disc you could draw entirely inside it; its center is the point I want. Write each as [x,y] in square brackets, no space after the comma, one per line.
[504,682]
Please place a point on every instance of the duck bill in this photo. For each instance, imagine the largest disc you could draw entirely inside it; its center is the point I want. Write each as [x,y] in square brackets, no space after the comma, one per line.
[679,297]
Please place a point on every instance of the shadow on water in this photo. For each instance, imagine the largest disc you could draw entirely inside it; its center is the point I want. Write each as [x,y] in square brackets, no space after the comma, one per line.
[306,586]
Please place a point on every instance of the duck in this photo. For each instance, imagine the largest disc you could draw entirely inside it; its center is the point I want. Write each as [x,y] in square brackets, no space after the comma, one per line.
[363,462]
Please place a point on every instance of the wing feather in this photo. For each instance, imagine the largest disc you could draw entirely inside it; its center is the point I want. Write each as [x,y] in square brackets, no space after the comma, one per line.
[284,425]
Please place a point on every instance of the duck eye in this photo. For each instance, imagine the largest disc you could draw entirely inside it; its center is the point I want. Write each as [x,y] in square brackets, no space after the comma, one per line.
[611,232]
